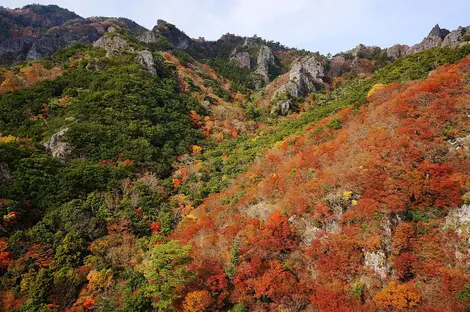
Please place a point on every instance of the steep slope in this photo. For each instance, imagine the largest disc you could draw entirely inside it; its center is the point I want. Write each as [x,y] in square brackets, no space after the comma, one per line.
[362,211]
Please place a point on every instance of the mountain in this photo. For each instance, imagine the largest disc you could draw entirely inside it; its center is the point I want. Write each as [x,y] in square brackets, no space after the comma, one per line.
[144,170]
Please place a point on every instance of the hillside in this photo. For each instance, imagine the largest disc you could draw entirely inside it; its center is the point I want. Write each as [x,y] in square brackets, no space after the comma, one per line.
[144,170]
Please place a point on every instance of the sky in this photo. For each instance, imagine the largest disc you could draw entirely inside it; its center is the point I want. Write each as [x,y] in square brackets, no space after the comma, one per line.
[328,26]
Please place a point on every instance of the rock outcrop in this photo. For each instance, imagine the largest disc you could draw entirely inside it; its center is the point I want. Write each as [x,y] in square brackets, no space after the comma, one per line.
[337,65]
[266,64]
[303,75]
[457,37]
[113,44]
[61,38]
[438,32]
[459,219]
[40,31]
[377,262]
[5,174]
[242,58]
[434,39]
[397,51]
[145,58]
[166,30]
[58,147]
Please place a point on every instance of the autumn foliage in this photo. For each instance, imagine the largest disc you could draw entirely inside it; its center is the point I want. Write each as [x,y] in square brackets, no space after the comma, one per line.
[366,196]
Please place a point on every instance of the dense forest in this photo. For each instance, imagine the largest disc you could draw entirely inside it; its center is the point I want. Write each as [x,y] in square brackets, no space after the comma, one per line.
[147,171]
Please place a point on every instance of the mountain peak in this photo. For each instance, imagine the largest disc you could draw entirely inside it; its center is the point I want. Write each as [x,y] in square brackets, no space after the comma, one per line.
[438,32]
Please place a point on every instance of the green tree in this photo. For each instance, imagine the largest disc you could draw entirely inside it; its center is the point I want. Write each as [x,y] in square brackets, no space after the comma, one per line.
[166,273]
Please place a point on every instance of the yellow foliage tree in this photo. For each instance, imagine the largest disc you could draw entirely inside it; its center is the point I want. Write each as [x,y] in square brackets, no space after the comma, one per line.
[398,296]
[196,149]
[375,88]
[197,301]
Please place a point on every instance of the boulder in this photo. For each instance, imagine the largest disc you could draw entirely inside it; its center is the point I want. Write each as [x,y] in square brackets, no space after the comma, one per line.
[145,58]
[58,148]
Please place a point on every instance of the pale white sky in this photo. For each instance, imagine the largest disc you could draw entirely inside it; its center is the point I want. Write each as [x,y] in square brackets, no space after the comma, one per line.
[315,25]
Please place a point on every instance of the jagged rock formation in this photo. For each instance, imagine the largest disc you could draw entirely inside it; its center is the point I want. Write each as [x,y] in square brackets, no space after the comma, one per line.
[304,74]
[113,44]
[58,148]
[438,32]
[434,39]
[146,59]
[166,30]
[37,31]
[266,64]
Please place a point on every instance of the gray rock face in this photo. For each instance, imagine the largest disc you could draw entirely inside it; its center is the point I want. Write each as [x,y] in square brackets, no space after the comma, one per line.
[261,210]
[442,37]
[5,174]
[377,262]
[16,45]
[241,58]
[459,218]
[145,58]
[266,62]
[149,36]
[337,65]
[54,40]
[426,44]
[304,74]
[113,45]
[282,108]
[58,148]
[397,51]
[457,37]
